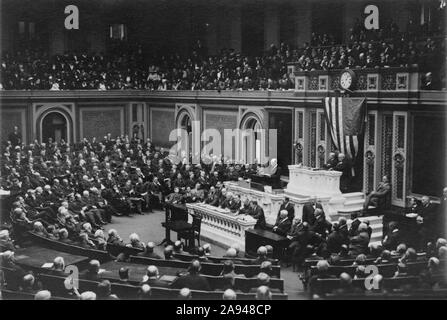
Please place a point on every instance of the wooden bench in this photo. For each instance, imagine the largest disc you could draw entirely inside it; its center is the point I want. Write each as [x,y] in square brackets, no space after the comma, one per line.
[212,269]
[126,291]
[245,261]
[100,255]
[329,285]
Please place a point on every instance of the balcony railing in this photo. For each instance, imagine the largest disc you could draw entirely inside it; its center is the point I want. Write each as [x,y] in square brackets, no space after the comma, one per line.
[375,79]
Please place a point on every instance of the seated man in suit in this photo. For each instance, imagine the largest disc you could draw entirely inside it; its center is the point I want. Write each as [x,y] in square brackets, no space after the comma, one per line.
[269,175]
[263,293]
[262,256]
[331,162]
[229,295]
[375,197]
[193,280]
[175,197]
[286,205]
[360,242]
[263,280]
[149,252]
[104,291]
[58,267]
[92,272]
[152,278]
[283,225]
[228,273]
[271,170]
[124,275]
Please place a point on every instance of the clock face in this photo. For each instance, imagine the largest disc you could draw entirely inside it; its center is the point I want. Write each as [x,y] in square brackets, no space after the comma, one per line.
[346,80]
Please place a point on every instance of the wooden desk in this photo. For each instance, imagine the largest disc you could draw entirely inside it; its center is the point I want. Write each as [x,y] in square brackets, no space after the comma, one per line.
[254,238]
[36,257]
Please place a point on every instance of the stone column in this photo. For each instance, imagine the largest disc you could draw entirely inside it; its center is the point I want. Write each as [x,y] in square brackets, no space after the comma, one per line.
[303,22]
[271,25]
[235,28]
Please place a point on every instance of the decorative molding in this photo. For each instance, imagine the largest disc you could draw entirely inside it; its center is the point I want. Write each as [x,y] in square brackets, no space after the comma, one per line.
[99,109]
[67,110]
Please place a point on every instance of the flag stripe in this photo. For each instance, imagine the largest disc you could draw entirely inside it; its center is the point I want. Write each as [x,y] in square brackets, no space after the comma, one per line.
[340,126]
[330,120]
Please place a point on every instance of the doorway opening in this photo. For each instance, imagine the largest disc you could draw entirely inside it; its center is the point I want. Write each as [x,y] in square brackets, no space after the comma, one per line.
[54,127]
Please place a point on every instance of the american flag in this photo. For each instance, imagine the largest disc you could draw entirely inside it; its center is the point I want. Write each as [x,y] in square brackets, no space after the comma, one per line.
[345,118]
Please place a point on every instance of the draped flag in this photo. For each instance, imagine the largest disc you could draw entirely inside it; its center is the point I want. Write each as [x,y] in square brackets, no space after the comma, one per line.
[345,118]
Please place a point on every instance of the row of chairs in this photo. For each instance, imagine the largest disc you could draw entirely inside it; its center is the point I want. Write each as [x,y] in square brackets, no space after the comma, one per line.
[329,285]
[208,268]
[419,294]
[212,269]
[347,262]
[386,270]
[246,261]
[18,295]
[126,291]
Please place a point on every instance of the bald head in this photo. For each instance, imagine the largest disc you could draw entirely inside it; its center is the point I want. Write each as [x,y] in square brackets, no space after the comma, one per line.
[263,279]
[229,295]
[262,251]
[152,271]
[345,280]
[145,292]
[231,253]
[263,293]
[185,294]
[42,295]
[283,214]
[150,247]
[322,265]
[195,267]
[88,295]
[168,251]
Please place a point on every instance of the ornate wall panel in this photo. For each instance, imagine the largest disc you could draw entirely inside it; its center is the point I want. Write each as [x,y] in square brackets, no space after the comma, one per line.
[399,157]
[98,122]
[370,156]
[321,140]
[299,143]
[162,123]
[221,120]
[11,118]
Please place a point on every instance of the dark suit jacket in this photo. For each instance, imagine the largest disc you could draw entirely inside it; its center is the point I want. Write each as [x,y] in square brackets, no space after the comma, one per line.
[157,283]
[283,227]
[429,213]
[335,240]
[290,210]
[308,213]
[258,214]
[193,282]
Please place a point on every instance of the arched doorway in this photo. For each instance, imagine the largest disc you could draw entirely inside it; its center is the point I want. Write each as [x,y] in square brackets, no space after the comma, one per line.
[251,142]
[54,126]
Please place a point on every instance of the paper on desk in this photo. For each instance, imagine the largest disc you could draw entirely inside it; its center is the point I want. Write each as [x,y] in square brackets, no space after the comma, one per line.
[47,265]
